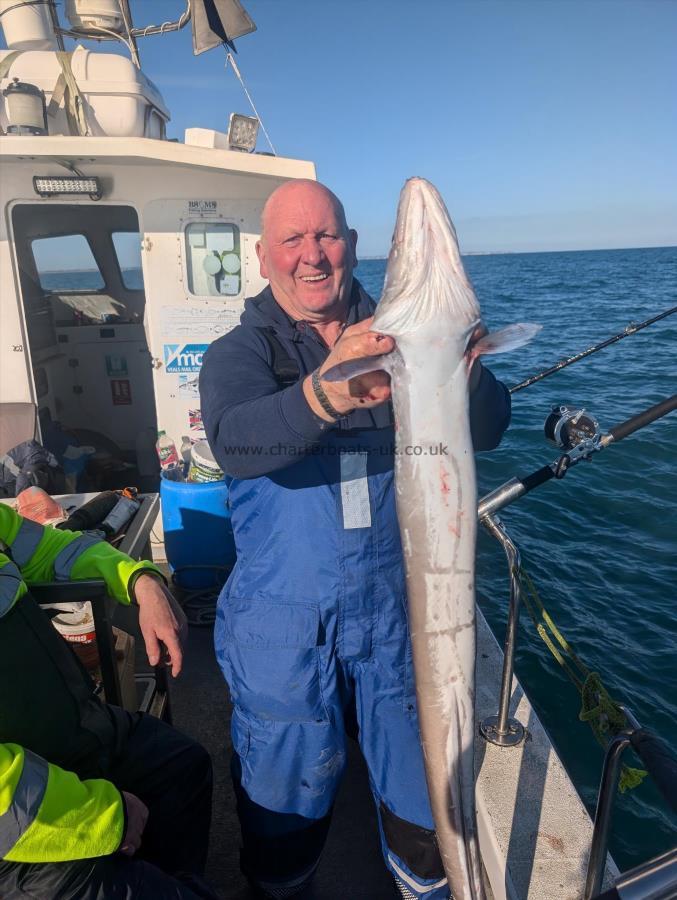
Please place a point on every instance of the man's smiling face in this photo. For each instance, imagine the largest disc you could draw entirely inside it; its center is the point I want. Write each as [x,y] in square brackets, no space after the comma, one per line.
[307,252]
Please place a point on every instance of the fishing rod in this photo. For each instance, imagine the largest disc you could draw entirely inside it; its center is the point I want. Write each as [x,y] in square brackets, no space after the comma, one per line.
[577,433]
[632,328]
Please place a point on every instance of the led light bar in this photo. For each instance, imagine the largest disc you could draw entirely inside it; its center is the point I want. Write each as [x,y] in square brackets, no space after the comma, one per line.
[242,132]
[51,187]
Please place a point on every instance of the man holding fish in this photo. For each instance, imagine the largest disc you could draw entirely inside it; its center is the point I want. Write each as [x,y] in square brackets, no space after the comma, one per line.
[312,630]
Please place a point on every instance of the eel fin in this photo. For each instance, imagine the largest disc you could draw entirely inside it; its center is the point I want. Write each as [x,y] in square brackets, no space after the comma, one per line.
[351,368]
[509,338]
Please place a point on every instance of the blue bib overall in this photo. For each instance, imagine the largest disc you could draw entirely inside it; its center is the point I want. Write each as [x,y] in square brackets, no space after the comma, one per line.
[313,620]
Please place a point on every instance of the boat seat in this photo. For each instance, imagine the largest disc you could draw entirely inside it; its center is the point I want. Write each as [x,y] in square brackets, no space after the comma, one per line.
[155,700]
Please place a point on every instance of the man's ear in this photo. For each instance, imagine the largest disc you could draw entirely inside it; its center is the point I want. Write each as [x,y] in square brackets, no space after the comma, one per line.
[352,236]
[261,253]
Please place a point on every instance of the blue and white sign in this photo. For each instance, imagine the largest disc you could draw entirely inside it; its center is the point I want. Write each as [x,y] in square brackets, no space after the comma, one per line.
[184,357]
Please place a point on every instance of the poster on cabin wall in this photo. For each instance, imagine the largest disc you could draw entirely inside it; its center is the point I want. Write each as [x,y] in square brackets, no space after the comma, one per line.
[182,323]
[189,387]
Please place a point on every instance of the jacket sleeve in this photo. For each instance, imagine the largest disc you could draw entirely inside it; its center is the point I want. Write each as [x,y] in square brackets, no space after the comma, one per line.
[43,553]
[253,427]
[490,409]
[48,815]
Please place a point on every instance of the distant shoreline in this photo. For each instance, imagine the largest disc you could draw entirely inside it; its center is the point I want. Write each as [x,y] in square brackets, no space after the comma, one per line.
[529,252]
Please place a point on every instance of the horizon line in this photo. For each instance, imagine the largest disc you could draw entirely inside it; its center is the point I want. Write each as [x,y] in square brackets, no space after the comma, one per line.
[464,253]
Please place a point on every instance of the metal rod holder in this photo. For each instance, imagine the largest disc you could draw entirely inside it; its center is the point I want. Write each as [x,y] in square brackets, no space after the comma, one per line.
[501,729]
[605,800]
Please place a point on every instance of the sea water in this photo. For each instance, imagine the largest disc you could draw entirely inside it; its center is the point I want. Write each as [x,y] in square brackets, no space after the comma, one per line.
[600,545]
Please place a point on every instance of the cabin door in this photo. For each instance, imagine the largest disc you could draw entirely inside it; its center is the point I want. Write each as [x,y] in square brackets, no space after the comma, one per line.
[83,301]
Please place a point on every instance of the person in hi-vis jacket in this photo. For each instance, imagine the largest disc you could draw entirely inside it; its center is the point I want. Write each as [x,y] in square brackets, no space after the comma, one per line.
[95,802]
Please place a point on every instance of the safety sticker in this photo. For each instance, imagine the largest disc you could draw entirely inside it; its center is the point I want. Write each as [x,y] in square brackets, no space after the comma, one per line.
[121,390]
[184,357]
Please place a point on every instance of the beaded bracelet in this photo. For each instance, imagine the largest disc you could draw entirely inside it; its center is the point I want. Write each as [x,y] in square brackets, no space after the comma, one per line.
[322,398]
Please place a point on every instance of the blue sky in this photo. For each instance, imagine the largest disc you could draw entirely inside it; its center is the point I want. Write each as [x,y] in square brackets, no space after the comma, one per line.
[546,124]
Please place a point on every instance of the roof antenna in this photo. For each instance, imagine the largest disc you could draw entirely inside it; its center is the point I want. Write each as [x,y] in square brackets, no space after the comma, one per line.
[230,59]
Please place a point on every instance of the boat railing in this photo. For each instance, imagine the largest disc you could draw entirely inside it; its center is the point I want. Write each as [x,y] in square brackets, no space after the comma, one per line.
[652,880]
[656,878]
[501,729]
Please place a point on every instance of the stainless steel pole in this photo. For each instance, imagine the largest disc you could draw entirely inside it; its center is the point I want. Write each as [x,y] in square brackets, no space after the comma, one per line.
[605,801]
[501,729]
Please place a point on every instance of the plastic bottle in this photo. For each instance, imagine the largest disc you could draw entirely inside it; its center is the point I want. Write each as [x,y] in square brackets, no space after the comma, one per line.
[166,451]
[173,472]
[186,447]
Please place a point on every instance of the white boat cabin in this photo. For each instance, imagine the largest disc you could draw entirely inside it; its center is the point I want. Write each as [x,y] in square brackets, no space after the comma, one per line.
[109,299]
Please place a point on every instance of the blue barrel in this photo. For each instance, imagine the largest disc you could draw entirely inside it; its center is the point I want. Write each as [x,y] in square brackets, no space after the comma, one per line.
[198,534]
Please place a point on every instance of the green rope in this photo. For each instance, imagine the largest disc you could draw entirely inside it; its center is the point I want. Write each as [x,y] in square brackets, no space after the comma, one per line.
[598,709]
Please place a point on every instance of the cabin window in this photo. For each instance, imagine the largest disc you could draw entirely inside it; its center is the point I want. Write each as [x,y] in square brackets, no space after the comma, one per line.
[65,262]
[128,251]
[213,259]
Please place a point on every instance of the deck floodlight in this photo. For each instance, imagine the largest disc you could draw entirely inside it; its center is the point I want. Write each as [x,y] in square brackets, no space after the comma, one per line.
[54,186]
[26,109]
[242,132]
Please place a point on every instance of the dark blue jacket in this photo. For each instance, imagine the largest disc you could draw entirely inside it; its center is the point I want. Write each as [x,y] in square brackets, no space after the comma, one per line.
[254,428]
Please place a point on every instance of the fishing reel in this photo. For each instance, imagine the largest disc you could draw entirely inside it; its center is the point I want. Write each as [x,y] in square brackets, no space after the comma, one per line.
[576,432]
[567,426]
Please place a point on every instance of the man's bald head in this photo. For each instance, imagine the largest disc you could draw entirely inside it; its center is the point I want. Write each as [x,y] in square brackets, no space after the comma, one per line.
[298,191]
[307,251]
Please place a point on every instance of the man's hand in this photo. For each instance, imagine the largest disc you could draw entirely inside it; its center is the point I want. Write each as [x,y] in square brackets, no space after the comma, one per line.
[162,621]
[367,390]
[137,816]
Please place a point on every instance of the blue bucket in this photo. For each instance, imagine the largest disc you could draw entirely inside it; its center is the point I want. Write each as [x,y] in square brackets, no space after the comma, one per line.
[198,534]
